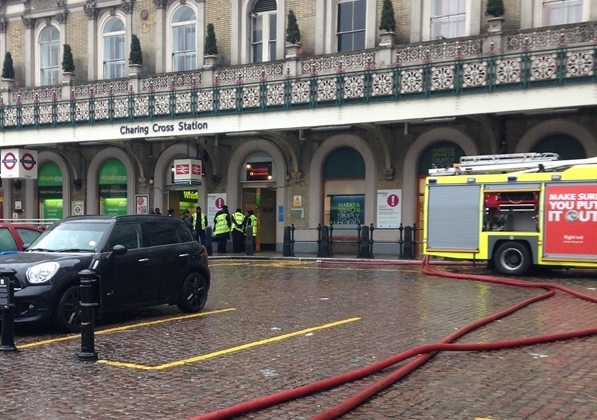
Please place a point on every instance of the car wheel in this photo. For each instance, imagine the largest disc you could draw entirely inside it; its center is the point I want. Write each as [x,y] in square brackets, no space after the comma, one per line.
[193,293]
[512,258]
[67,315]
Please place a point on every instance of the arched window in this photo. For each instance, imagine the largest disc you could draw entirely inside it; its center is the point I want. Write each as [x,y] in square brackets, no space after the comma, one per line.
[113,35]
[184,39]
[263,31]
[49,47]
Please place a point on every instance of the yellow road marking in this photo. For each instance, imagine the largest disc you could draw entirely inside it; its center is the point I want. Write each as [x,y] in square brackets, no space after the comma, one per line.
[124,328]
[226,351]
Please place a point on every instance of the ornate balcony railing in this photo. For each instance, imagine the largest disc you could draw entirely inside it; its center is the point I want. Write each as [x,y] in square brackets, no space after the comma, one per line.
[526,69]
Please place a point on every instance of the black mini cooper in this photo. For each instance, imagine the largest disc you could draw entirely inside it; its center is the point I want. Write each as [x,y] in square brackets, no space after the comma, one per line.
[141,261]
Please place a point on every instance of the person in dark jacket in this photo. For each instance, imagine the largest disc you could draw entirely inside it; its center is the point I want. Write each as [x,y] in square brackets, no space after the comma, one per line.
[199,225]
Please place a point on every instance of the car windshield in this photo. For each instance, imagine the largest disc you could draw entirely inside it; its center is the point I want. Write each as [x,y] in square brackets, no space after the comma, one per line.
[71,237]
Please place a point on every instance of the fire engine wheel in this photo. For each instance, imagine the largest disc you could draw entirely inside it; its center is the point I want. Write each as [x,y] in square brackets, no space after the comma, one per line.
[512,259]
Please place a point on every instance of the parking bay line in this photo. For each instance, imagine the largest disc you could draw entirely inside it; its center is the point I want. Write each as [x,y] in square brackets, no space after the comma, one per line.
[226,351]
[125,327]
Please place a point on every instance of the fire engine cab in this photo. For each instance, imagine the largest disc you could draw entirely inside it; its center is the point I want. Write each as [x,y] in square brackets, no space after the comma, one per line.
[513,211]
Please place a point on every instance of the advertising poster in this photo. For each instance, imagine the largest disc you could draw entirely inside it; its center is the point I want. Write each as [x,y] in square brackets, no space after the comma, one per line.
[214,204]
[570,221]
[347,209]
[389,209]
[142,204]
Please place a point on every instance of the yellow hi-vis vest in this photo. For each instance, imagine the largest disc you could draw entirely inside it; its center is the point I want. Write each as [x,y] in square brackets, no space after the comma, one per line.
[239,217]
[221,224]
[253,221]
[203,221]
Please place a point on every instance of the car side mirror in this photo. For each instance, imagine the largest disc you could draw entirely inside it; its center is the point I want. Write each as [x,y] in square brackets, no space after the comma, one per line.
[119,249]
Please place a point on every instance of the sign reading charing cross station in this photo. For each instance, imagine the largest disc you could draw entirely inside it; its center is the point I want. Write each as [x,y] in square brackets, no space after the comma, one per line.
[155,129]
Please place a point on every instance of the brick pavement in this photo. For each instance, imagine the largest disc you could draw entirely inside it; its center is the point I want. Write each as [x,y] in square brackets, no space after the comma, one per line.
[399,308]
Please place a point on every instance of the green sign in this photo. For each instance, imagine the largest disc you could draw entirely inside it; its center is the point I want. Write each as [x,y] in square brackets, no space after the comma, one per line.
[347,209]
[112,172]
[113,206]
[49,175]
[52,208]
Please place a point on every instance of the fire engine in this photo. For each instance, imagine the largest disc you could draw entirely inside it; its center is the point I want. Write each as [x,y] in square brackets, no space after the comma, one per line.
[514,211]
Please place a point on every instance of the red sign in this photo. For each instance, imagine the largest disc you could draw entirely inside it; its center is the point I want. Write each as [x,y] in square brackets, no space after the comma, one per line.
[570,221]
[28,161]
[393,200]
[220,202]
[182,169]
[9,161]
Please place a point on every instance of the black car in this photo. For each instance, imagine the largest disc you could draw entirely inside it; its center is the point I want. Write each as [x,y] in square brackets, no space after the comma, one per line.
[141,261]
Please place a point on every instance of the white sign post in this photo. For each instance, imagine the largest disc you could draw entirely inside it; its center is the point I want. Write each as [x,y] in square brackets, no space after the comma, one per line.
[389,209]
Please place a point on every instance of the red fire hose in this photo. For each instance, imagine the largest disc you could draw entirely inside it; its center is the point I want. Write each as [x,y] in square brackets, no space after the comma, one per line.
[421,354]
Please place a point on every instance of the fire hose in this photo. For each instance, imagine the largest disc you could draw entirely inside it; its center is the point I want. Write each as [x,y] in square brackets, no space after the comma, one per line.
[421,354]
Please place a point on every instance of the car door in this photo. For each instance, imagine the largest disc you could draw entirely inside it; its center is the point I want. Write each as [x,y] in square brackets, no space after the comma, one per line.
[126,277]
[168,256]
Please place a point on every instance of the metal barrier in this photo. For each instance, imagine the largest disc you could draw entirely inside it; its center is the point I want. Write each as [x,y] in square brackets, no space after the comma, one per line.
[333,239]
[7,307]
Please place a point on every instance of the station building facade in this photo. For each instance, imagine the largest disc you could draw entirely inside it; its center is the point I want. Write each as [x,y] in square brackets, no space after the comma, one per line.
[304,134]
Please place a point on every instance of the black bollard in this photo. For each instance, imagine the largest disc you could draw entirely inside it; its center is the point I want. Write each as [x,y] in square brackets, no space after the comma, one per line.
[364,243]
[88,281]
[7,279]
[409,251]
[249,249]
[286,252]
[324,243]
[209,240]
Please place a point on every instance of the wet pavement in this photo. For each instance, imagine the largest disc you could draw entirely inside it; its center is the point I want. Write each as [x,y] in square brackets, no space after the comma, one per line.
[271,325]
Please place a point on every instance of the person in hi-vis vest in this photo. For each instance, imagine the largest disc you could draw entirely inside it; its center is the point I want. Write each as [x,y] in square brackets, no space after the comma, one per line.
[238,226]
[253,222]
[199,225]
[222,224]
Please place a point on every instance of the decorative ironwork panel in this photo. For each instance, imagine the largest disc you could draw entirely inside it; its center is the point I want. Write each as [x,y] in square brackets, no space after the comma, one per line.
[82,110]
[121,107]
[580,63]
[104,87]
[300,92]
[440,51]
[63,112]
[543,67]
[45,113]
[30,95]
[354,86]
[331,63]
[101,109]
[326,89]
[442,78]
[228,98]
[551,38]
[411,81]
[162,104]
[166,81]
[10,117]
[141,106]
[250,73]
[28,115]
[508,71]
[183,102]
[474,74]
[251,96]
[274,94]
[205,100]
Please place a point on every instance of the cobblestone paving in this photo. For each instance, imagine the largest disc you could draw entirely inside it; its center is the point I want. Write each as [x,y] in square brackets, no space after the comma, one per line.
[252,300]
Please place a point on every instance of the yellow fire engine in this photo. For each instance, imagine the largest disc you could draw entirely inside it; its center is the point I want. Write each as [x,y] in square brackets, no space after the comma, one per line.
[513,211]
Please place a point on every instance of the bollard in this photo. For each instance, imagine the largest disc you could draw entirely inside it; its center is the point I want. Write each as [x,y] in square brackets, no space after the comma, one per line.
[286,252]
[88,281]
[7,279]
[324,243]
[209,240]
[364,243]
[409,252]
[249,248]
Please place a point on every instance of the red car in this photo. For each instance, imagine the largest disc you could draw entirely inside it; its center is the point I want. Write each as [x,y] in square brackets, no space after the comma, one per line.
[14,235]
